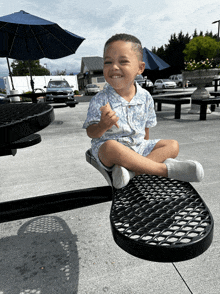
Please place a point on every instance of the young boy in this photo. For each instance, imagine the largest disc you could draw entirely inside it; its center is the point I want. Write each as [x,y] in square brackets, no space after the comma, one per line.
[120,130]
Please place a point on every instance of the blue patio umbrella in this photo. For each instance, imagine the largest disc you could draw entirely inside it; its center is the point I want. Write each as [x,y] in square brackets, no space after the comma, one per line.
[152,61]
[24,36]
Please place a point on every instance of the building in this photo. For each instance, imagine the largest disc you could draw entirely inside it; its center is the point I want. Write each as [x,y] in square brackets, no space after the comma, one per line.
[91,72]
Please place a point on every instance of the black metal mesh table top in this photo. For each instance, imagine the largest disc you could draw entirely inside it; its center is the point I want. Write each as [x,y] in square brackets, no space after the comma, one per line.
[161,219]
[20,120]
[158,219]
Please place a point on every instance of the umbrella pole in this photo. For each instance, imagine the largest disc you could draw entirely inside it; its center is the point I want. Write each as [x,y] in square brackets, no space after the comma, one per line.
[34,99]
[13,88]
[31,81]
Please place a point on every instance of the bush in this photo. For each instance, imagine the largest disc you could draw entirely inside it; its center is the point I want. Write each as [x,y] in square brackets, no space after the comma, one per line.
[26,99]
[3,91]
[76,92]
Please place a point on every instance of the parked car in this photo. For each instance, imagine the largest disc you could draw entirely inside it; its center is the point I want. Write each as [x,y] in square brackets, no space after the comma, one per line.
[62,92]
[164,84]
[149,83]
[91,89]
[178,79]
[140,80]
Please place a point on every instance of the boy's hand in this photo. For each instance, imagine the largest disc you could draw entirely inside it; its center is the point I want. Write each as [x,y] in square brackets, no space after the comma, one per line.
[108,117]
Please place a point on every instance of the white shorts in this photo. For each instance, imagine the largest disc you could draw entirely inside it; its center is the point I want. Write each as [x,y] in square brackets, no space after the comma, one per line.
[143,149]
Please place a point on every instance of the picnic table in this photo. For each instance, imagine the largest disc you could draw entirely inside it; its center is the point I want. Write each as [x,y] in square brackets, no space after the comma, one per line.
[152,218]
[173,98]
[19,122]
[203,105]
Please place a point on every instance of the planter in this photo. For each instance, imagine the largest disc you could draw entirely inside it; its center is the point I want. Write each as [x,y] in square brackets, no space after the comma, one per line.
[200,78]
[15,98]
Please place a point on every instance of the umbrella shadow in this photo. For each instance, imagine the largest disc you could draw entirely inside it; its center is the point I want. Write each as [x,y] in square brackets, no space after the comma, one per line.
[42,258]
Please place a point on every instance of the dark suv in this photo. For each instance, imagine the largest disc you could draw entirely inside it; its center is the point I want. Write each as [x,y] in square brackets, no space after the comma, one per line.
[59,91]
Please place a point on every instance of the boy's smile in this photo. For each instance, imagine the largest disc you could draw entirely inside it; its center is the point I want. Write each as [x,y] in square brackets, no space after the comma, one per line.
[121,66]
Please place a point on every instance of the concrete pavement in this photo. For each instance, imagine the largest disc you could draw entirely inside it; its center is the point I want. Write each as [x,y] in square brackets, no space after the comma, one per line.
[73,251]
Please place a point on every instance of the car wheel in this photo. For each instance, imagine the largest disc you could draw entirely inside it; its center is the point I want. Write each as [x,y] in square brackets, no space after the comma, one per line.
[163,87]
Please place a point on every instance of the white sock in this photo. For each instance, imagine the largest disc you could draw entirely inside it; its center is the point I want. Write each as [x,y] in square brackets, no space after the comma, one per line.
[121,176]
[187,171]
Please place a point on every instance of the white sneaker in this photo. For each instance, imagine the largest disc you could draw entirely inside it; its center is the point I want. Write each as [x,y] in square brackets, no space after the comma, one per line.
[121,176]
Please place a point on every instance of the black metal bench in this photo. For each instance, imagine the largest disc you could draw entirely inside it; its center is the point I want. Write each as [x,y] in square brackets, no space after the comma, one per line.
[215,94]
[177,101]
[203,105]
[158,219]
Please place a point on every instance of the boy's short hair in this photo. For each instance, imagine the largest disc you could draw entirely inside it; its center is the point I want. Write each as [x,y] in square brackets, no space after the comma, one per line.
[127,38]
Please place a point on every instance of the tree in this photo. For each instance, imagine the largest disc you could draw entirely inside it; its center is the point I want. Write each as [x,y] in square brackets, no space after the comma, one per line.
[200,48]
[172,53]
[60,72]
[22,68]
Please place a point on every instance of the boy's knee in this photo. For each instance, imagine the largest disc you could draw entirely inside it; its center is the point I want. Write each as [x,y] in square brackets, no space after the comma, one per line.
[107,148]
[175,147]
[107,152]
[109,145]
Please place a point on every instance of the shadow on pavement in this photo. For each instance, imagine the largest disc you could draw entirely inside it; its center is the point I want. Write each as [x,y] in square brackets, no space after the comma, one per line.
[41,259]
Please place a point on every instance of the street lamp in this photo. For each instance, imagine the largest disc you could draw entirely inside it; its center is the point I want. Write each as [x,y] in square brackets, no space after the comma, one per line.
[216,80]
[218,27]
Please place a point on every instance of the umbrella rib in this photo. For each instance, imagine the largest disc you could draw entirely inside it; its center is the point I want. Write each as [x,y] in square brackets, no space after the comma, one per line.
[12,43]
[45,29]
[58,39]
[37,40]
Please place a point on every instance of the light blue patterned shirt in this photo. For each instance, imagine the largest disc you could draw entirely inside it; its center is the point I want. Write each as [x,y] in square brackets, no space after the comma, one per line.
[134,117]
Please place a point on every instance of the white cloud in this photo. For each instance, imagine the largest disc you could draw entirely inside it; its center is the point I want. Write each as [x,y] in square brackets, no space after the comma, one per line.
[152,22]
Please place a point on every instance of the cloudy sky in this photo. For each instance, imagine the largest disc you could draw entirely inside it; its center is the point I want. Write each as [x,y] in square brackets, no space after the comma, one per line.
[152,21]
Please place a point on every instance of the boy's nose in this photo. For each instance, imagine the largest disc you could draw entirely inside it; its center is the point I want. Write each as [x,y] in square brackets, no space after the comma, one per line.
[115,66]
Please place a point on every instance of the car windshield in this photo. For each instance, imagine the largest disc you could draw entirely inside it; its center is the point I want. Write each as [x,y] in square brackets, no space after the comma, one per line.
[58,84]
[92,86]
[167,80]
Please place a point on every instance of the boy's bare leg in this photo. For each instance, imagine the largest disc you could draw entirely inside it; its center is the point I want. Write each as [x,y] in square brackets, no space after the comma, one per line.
[114,153]
[128,163]
[164,149]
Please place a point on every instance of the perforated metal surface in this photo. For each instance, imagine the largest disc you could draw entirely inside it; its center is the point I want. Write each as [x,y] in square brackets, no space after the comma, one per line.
[21,120]
[12,113]
[161,219]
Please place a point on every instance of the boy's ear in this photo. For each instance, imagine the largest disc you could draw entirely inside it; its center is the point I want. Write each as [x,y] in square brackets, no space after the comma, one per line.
[141,67]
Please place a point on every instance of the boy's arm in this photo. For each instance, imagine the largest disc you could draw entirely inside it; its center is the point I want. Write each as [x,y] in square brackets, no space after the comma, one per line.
[147,135]
[95,131]
[108,119]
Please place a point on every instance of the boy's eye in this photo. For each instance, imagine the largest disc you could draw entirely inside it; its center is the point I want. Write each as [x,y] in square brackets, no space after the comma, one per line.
[124,61]
[107,62]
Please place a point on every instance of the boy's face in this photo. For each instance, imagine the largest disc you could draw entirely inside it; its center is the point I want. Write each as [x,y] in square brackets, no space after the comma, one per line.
[122,65]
